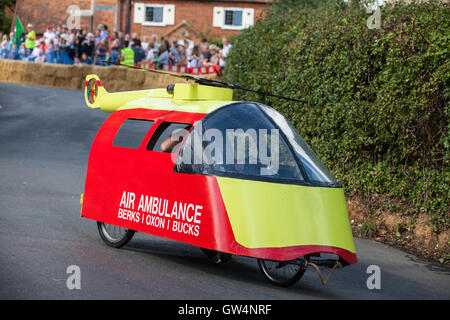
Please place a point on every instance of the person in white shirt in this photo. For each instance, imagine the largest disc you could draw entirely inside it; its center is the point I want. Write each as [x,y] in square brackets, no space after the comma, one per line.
[145,43]
[49,35]
[155,42]
[189,47]
[65,33]
[224,53]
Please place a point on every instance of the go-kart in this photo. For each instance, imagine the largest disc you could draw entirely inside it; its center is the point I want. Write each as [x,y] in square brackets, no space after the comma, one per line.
[188,164]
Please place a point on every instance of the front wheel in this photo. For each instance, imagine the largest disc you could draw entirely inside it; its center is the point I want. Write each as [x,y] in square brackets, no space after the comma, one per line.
[281,273]
[114,236]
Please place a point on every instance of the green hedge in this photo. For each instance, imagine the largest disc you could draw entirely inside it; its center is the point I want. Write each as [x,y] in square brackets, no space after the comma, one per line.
[377,106]
[5,21]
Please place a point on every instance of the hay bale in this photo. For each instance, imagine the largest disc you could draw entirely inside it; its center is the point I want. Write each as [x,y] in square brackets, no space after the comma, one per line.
[139,76]
[115,79]
[33,68]
[111,85]
[63,71]
[77,83]
[4,70]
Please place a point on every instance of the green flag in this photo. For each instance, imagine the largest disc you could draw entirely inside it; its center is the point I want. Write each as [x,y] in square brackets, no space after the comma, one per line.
[19,31]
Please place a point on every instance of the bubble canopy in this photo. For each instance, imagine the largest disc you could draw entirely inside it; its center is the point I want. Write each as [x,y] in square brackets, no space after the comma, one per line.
[251,141]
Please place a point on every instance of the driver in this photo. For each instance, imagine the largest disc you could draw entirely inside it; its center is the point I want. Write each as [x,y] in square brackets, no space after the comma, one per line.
[170,144]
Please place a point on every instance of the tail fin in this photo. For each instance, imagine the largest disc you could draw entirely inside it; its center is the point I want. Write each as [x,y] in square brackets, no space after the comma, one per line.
[94,91]
[98,98]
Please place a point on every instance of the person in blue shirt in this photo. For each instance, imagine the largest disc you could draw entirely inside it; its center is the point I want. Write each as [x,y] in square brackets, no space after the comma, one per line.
[115,52]
[50,57]
[173,53]
[163,57]
[139,53]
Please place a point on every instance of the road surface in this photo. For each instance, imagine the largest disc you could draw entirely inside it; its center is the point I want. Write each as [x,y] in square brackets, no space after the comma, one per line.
[45,137]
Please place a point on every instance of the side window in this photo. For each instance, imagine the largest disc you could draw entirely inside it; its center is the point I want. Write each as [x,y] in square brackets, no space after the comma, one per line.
[131,133]
[168,137]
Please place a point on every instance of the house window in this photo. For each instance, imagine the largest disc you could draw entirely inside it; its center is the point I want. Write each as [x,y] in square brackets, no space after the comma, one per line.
[154,14]
[233,18]
[228,18]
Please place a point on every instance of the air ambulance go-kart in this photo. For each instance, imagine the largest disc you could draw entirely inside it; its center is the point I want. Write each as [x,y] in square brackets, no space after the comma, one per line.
[146,173]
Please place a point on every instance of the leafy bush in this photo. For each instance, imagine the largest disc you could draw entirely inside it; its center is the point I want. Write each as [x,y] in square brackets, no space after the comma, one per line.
[5,21]
[377,100]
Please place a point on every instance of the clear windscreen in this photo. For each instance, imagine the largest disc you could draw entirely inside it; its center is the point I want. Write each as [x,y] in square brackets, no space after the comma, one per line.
[315,169]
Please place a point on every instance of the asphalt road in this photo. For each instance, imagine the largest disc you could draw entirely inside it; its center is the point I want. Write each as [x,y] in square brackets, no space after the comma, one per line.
[45,136]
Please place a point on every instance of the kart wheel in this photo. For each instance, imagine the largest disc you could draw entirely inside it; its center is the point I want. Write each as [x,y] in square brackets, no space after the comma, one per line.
[216,256]
[281,273]
[114,236]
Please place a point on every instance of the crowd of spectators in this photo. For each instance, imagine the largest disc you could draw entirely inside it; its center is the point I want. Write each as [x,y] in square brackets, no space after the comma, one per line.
[64,46]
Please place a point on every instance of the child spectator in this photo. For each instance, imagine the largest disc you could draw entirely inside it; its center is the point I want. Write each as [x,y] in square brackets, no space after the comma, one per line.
[22,52]
[12,54]
[85,59]
[102,52]
[115,52]
[50,56]
[39,51]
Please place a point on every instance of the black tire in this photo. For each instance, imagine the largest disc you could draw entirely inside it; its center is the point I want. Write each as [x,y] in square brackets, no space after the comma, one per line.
[296,272]
[216,256]
[115,241]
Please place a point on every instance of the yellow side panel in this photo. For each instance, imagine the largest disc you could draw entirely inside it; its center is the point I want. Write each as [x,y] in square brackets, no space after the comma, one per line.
[266,214]
[172,105]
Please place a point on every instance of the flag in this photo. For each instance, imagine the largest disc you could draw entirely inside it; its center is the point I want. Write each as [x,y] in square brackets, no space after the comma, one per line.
[18,31]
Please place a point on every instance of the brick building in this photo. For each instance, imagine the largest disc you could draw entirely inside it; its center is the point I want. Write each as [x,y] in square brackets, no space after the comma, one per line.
[193,19]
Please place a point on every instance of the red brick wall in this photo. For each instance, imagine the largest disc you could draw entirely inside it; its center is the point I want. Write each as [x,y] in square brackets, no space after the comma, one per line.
[41,13]
[199,14]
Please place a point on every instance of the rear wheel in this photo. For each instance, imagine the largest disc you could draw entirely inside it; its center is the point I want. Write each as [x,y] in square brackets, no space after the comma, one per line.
[281,273]
[114,236]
